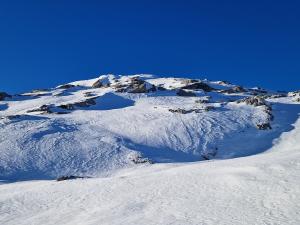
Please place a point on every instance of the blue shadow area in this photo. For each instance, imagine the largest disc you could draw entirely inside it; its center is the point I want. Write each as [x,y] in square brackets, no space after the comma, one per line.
[111,101]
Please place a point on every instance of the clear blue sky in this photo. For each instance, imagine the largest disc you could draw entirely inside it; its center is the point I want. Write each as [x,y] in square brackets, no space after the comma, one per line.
[45,43]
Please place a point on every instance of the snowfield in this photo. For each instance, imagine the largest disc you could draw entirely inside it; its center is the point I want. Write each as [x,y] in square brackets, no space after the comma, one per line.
[151,151]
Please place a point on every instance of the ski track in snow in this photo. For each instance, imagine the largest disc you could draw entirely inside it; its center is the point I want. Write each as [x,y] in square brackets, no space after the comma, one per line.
[98,141]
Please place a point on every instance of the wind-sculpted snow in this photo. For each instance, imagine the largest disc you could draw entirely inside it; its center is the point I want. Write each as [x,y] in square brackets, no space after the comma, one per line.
[260,189]
[94,127]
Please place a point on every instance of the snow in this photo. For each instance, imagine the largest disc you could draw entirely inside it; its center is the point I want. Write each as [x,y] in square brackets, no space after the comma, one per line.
[260,189]
[253,177]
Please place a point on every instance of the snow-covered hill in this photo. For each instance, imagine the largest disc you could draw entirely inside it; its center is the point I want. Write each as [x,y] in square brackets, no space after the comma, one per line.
[260,189]
[151,151]
[93,127]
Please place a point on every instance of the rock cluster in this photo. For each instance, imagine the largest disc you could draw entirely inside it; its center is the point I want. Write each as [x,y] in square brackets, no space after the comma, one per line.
[197,110]
[86,103]
[255,101]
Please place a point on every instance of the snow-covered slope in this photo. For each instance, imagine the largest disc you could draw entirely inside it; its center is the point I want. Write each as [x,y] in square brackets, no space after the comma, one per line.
[156,151]
[93,127]
[260,189]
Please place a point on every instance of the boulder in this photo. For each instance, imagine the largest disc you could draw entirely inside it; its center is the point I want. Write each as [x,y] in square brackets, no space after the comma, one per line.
[97,84]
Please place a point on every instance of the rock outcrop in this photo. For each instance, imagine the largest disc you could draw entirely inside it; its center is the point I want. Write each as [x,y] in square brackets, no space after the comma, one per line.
[66,86]
[197,85]
[255,101]
[184,93]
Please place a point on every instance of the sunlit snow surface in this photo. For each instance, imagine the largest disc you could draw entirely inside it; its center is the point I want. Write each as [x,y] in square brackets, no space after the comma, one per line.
[181,187]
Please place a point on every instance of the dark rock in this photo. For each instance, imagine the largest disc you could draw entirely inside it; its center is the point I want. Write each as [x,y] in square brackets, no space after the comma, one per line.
[4,95]
[97,84]
[268,110]
[138,88]
[141,160]
[264,126]
[61,113]
[66,86]
[67,106]
[135,85]
[88,94]
[202,101]
[11,117]
[86,103]
[62,178]
[238,89]
[184,111]
[209,154]
[255,101]
[43,108]
[197,86]
[181,111]
[119,87]
[209,108]
[181,92]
